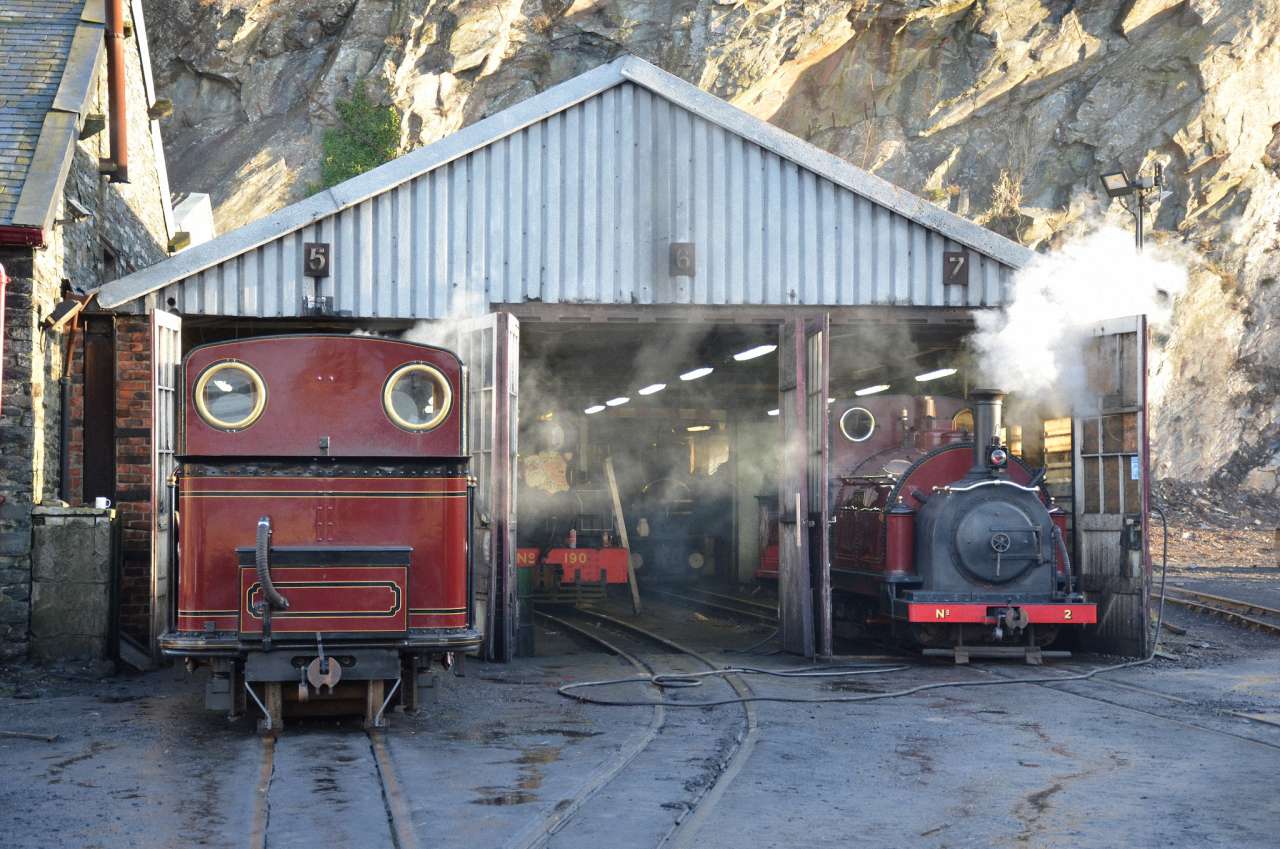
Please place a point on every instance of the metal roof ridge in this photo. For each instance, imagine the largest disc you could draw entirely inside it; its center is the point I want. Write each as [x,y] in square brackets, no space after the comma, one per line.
[824,163]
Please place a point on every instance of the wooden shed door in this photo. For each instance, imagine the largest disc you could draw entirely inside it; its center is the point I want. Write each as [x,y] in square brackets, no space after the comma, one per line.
[166,358]
[804,577]
[489,347]
[1110,471]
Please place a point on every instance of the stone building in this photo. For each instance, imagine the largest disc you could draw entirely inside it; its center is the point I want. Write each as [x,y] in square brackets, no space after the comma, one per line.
[73,214]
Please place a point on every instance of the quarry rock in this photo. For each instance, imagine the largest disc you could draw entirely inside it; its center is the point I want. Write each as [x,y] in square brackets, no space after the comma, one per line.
[947,99]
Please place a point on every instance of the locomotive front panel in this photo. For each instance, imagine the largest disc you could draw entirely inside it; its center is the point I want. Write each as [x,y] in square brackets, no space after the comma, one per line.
[321,524]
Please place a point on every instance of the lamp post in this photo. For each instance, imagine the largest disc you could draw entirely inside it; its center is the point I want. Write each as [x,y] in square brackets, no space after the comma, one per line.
[1118,185]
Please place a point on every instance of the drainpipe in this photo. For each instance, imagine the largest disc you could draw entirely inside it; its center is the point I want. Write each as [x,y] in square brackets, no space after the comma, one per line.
[118,165]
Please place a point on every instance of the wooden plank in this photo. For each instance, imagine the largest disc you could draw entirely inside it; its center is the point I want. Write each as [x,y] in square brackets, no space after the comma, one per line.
[373,696]
[622,532]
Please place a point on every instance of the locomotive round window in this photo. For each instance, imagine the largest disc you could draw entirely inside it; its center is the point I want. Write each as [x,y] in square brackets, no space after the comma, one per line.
[417,397]
[857,424]
[230,395]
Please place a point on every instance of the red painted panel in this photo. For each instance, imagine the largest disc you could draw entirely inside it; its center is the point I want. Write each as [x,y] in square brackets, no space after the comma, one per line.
[329,598]
[220,514]
[586,564]
[321,386]
[1056,614]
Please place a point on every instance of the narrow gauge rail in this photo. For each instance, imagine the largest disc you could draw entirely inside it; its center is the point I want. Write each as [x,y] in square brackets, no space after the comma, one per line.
[1096,696]
[1244,613]
[305,783]
[629,641]
[745,608]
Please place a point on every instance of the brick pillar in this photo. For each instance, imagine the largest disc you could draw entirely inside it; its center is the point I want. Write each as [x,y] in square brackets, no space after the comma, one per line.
[133,470]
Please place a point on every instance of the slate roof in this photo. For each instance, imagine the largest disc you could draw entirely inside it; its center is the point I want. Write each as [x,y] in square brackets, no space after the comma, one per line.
[35,39]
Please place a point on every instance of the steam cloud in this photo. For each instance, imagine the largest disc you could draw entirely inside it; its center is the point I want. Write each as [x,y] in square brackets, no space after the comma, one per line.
[1036,345]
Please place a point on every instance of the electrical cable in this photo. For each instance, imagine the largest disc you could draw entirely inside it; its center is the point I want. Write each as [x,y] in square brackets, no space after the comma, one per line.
[751,649]
[682,680]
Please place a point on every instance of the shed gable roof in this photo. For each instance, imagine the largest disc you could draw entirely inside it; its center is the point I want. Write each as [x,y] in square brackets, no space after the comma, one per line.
[574,194]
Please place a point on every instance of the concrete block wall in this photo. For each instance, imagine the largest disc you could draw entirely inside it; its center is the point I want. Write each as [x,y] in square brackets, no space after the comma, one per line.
[71,571]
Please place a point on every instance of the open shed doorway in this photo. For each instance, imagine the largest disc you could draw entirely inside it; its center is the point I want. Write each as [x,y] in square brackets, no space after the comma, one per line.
[648,451]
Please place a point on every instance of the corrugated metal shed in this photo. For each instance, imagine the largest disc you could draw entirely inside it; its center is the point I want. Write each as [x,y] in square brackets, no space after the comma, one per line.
[574,196]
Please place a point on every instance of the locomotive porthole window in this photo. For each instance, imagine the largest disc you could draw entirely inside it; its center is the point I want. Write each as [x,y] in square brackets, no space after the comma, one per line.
[230,395]
[857,424]
[417,397]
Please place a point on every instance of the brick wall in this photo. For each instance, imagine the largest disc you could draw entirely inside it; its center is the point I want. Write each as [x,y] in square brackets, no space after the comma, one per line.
[133,470]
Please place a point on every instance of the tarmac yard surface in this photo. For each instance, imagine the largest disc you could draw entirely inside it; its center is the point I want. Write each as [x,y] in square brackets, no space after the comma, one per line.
[1177,753]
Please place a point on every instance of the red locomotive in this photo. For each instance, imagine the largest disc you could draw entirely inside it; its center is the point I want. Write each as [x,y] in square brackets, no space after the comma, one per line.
[948,536]
[325,508]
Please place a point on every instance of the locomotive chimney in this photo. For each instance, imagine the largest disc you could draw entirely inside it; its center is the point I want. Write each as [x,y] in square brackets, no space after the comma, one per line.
[987,406]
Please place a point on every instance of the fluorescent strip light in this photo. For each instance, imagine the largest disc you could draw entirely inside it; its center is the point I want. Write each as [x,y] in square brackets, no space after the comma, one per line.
[872,390]
[831,400]
[697,428]
[772,413]
[593,409]
[697,373]
[752,353]
[616,402]
[935,374]
[652,388]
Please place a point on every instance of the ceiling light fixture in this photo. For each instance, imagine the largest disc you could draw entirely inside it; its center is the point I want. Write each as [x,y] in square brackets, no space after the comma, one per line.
[616,402]
[752,353]
[772,413]
[697,428]
[697,373]
[652,388]
[872,390]
[935,374]
[593,409]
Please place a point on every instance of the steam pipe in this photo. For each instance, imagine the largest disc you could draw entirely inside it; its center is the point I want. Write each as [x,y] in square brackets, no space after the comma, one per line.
[119,161]
[987,407]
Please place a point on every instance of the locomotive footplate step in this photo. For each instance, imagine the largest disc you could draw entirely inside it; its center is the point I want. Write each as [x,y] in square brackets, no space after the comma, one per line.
[962,654]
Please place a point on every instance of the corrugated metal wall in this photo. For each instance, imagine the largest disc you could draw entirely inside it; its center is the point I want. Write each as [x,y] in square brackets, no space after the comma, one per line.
[581,208]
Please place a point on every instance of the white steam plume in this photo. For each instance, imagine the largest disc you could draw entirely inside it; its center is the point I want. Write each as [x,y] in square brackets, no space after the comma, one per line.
[1036,345]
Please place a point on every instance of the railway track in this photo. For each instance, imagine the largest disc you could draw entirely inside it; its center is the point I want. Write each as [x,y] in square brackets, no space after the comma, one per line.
[1246,614]
[735,605]
[336,784]
[674,740]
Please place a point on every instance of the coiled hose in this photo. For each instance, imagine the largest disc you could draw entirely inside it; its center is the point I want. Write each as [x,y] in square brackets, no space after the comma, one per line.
[262,559]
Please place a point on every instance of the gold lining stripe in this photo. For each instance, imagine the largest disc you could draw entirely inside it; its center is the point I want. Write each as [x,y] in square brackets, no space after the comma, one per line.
[437,610]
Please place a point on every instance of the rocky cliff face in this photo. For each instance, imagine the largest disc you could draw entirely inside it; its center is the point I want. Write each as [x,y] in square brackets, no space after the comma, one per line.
[1005,112]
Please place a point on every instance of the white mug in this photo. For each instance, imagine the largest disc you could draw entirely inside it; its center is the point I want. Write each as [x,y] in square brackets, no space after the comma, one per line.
[101,503]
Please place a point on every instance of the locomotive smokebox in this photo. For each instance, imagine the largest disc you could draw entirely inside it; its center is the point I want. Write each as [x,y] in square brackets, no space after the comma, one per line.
[987,407]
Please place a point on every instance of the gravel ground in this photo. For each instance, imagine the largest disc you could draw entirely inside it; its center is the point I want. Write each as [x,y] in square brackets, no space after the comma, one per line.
[1177,753]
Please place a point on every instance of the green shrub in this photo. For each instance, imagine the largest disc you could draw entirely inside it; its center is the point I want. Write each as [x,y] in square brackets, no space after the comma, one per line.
[366,136]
